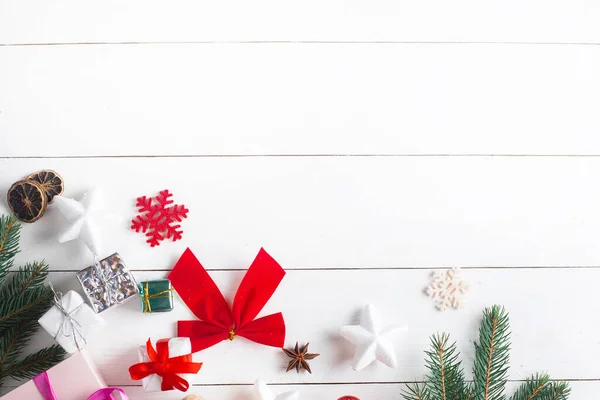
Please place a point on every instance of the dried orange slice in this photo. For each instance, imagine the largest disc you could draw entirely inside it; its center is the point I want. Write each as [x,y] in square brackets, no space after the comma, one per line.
[50,181]
[27,200]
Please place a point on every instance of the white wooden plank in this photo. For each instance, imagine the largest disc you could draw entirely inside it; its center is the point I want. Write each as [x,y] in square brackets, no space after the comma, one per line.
[336,212]
[219,99]
[580,391]
[68,21]
[316,303]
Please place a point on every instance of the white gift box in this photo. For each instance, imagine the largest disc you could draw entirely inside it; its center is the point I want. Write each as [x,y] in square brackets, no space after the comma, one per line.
[177,347]
[71,325]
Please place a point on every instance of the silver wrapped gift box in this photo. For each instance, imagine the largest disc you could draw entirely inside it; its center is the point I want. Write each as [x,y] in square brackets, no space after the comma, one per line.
[107,283]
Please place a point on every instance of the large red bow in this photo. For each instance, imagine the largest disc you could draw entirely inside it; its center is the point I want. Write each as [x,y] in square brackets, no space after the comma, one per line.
[218,321]
[165,367]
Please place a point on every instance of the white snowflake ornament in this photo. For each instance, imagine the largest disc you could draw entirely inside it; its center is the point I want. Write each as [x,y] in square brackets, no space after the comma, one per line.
[373,342]
[262,392]
[448,289]
[82,216]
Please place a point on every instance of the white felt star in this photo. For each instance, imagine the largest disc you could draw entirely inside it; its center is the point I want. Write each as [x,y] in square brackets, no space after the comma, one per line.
[82,216]
[262,392]
[372,342]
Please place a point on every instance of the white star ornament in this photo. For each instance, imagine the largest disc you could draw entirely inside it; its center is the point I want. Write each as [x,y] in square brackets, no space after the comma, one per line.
[82,216]
[372,341]
[262,392]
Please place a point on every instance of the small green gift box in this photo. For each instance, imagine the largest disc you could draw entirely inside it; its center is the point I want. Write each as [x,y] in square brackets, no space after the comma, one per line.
[157,295]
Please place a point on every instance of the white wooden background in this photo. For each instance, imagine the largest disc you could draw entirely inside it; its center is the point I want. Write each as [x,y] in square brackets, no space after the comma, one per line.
[362,143]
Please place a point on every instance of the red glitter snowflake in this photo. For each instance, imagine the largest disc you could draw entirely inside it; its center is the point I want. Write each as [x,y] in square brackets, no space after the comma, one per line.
[157,219]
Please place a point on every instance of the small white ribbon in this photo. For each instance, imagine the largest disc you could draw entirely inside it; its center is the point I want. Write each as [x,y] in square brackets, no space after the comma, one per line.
[69,326]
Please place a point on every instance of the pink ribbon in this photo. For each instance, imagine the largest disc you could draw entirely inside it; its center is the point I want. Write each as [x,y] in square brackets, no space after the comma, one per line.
[42,382]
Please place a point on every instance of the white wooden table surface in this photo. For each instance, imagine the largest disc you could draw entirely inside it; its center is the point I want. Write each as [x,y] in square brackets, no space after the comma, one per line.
[362,143]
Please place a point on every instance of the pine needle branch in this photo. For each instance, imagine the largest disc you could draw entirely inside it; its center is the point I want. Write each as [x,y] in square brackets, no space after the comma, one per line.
[492,355]
[31,304]
[35,363]
[416,392]
[9,244]
[23,300]
[31,276]
[532,388]
[446,379]
[558,391]
[13,341]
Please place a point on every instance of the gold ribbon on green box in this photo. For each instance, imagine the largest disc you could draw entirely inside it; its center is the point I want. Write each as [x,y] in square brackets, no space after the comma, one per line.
[157,295]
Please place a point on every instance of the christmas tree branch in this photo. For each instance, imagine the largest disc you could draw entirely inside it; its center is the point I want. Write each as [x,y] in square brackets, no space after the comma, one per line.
[13,341]
[446,379]
[30,304]
[31,276]
[492,355]
[35,363]
[23,300]
[416,392]
[539,387]
[532,389]
[9,244]
[558,391]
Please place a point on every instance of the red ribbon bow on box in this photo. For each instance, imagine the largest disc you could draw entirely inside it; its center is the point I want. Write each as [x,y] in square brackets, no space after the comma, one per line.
[165,367]
[218,320]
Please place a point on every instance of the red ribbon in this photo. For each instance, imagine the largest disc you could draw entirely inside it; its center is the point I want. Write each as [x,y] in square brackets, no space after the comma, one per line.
[165,367]
[218,320]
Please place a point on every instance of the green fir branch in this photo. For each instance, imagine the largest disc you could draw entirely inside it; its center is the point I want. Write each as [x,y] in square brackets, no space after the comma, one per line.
[23,300]
[31,276]
[533,388]
[492,355]
[414,391]
[539,387]
[13,340]
[9,244]
[446,378]
[31,304]
[557,391]
[35,363]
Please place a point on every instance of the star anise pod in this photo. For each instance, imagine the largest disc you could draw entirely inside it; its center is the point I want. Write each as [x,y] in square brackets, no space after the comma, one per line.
[299,358]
